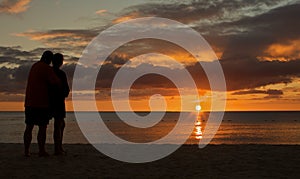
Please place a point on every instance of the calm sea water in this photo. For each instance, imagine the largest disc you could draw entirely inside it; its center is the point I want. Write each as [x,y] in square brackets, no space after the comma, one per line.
[236,128]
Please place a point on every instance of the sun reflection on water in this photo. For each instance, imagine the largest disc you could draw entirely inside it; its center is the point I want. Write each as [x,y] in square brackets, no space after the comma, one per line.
[198,128]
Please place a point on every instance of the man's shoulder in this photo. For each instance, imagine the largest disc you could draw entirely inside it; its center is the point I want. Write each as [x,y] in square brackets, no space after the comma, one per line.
[35,64]
[41,67]
[41,64]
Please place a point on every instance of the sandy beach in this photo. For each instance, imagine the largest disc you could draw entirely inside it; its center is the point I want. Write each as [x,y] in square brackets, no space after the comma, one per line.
[214,161]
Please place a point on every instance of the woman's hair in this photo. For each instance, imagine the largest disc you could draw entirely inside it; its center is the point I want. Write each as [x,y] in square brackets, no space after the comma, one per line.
[58,59]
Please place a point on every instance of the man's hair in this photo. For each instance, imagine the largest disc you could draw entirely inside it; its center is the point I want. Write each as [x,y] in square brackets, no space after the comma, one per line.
[47,57]
[58,59]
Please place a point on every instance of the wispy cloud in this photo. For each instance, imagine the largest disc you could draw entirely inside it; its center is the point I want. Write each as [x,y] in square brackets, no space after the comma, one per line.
[71,40]
[101,11]
[131,15]
[254,91]
[14,6]
[55,38]
[205,12]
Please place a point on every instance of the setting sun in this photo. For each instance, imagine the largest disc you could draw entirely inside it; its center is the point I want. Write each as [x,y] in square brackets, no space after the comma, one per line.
[198,107]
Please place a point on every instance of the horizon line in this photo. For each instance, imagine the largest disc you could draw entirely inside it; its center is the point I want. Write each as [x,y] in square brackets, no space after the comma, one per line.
[177,111]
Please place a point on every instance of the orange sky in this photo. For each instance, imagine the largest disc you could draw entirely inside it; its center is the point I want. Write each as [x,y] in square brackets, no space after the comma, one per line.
[174,105]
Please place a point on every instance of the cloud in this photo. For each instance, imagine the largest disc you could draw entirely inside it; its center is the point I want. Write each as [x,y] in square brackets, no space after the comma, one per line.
[252,73]
[131,15]
[238,28]
[239,73]
[271,93]
[15,65]
[101,11]
[255,50]
[284,51]
[254,91]
[14,52]
[204,12]
[13,80]
[257,42]
[14,6]
[61,38]
[69,41]
[242,29]
[262,32]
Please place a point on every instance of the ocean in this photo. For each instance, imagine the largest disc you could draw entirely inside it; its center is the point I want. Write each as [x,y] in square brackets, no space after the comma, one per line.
[236,128]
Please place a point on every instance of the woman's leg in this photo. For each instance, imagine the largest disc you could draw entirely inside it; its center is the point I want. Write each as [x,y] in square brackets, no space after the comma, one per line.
[27,139]
[63,124]
[56,135]
[59,125]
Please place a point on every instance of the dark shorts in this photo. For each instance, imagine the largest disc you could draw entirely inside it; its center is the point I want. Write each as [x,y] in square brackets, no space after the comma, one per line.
[57,113]
[37,116]
[58,110]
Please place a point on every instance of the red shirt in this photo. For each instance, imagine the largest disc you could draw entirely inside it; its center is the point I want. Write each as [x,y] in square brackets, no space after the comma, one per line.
[41,78]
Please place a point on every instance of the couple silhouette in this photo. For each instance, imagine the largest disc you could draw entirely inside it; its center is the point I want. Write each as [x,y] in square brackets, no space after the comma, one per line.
[46,90]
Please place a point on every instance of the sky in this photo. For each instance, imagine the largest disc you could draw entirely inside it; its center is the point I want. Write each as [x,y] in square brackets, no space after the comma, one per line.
[257,43]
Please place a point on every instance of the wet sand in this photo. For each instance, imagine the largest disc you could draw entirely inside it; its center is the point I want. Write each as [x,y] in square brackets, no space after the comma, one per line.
[214,161]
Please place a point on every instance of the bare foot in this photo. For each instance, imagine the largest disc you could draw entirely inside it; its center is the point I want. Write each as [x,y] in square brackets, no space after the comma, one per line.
[27,154]
[43,154]
[59,153]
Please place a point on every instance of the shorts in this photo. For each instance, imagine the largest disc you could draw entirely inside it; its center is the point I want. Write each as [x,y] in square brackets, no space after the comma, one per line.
[58,112]
[37,116]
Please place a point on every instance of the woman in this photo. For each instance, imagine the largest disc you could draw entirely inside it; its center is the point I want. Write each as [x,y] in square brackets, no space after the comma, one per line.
[57,97]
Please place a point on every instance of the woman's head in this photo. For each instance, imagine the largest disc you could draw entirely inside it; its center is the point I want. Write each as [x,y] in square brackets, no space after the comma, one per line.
[58,59]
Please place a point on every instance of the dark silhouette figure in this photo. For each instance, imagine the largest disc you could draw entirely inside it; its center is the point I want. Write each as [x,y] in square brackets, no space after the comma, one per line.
[41,77]
[57,103]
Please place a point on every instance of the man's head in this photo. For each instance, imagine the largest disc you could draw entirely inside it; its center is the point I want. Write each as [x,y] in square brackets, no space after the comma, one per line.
[47,57]
[58,59]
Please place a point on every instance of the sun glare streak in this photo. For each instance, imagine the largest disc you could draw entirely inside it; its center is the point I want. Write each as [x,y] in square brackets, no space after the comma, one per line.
[198,124]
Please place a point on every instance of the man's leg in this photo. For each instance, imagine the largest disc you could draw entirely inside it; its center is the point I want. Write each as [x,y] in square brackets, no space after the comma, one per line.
[42,140]
[27,139]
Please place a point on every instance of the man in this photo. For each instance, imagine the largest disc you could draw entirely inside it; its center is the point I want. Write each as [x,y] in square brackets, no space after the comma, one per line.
[40,79]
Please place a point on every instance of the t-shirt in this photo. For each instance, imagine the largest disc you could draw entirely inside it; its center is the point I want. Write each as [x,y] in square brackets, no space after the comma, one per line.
[41,78]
